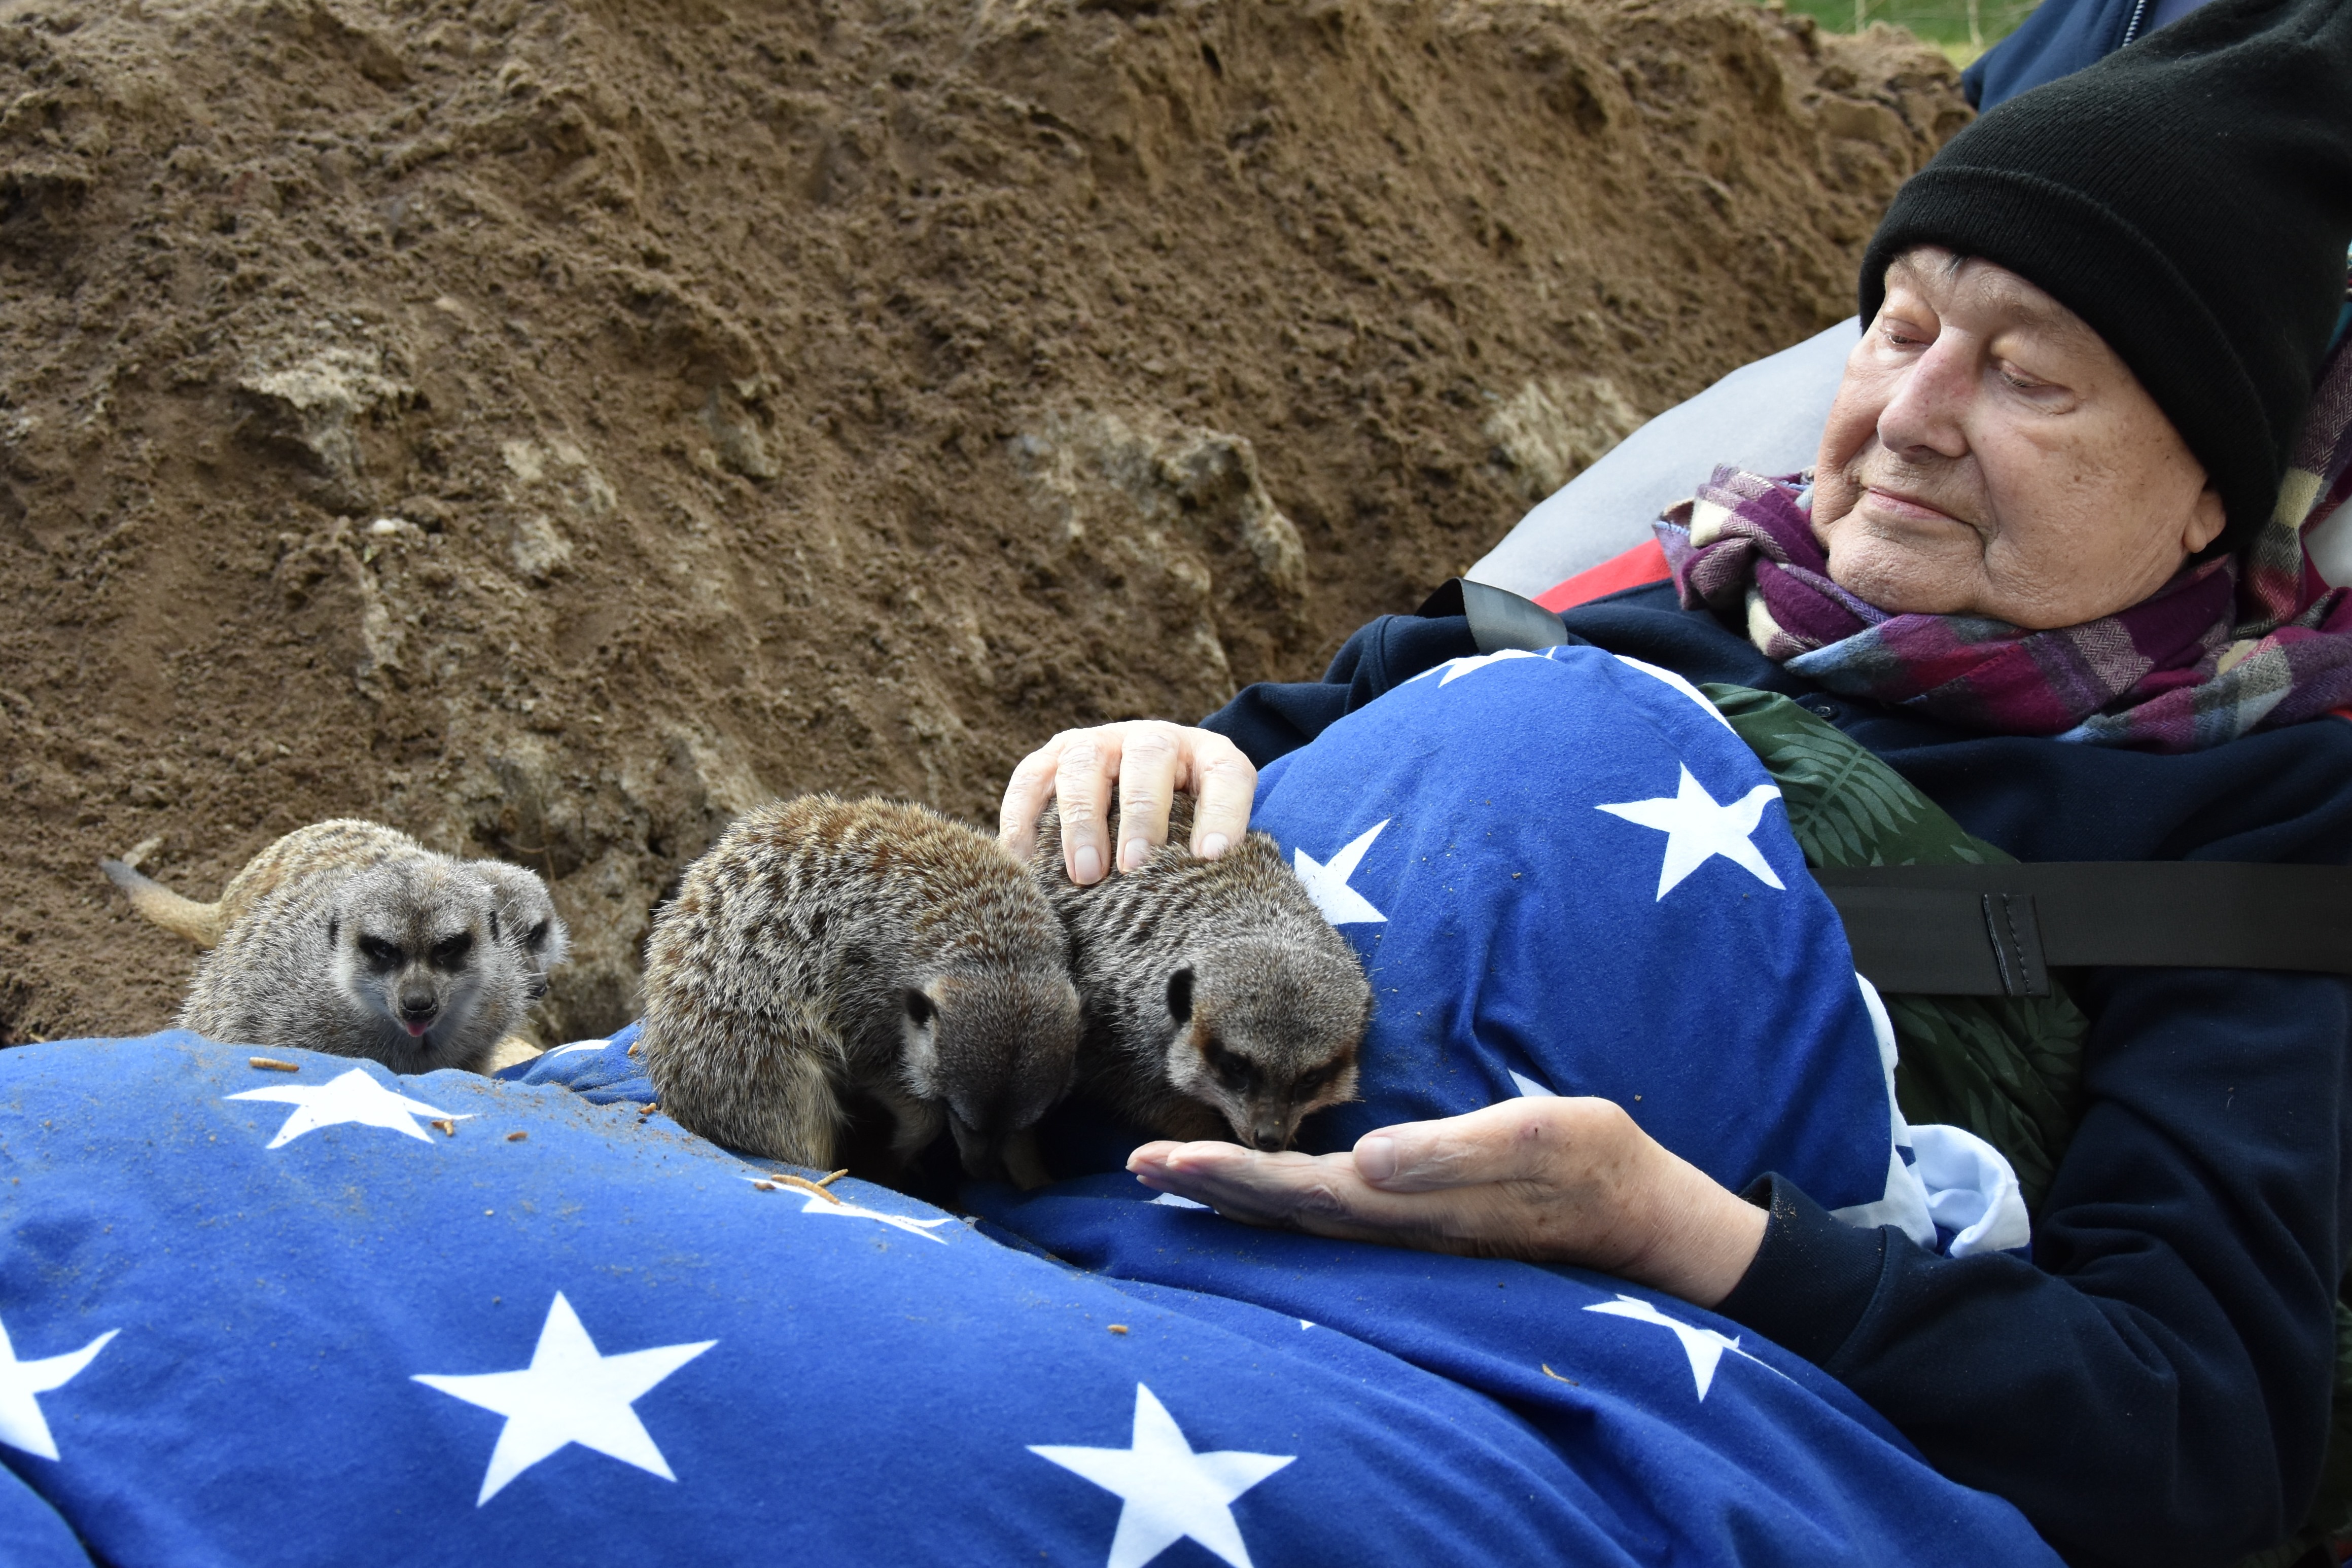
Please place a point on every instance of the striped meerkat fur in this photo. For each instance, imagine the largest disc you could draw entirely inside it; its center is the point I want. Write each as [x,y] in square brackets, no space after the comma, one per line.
[1216,993]
[824,947]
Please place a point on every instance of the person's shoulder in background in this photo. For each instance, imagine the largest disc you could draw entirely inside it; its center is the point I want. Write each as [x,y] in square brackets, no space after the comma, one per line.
[2059,38]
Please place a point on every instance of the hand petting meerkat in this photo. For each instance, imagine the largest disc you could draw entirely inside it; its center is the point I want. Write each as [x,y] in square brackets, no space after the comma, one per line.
[824,947]
[1216,993]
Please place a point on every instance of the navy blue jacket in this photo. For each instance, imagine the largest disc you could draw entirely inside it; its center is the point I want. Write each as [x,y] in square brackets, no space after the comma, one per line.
[2059,38]
[2154,1388]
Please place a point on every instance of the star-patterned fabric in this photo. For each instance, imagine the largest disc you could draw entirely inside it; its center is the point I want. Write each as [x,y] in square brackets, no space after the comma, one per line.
[285,1328]
[294,1309]
[1566,874]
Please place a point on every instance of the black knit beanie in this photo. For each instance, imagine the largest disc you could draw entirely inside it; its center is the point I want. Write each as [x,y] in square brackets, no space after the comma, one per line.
[2188,197]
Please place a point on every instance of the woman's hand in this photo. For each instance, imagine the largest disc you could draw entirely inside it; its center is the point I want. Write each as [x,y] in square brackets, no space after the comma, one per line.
[1151,760]
[1547,1180]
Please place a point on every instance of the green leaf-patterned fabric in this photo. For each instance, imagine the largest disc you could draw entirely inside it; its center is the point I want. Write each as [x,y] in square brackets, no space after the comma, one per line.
[2007,1069]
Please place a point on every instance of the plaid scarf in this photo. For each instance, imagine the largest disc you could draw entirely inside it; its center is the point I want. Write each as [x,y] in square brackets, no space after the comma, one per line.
[2241,643]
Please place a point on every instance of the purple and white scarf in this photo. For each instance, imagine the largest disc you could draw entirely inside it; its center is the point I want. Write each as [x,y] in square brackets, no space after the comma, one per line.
[2247,641]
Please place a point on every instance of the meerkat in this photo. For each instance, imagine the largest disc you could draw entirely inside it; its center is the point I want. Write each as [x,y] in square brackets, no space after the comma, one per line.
[828,947]
[402,961]
[1215,995]
[347,843]
[525,910]
[526,917]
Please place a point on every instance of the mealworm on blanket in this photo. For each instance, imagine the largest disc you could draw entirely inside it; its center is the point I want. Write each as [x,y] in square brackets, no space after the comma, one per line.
[829,1180]
[805,1184]
[268,1064]
[1556,1377]
[517,1137]
[446,1124]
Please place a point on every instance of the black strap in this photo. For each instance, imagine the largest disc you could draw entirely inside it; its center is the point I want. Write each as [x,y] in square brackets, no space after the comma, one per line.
[1999,930]
[1498,618]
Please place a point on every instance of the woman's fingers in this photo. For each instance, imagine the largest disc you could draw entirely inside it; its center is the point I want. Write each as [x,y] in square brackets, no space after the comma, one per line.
[1147,762]
[1527,1140]
[1025,794]
[1225,785]
[1150,765]
[1318,1192]
[1082,781]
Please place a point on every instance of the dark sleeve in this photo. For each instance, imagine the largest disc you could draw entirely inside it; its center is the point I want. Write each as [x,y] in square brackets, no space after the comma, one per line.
[1273,717]
[2058,38]
[2154,1388]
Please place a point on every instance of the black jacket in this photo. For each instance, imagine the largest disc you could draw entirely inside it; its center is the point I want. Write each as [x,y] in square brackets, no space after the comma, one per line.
[2154,1388]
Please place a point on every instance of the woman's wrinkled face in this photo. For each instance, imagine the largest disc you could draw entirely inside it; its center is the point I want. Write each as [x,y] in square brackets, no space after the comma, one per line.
[1989,454]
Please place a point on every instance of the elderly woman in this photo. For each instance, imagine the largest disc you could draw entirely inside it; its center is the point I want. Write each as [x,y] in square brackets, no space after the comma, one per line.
[2036,573]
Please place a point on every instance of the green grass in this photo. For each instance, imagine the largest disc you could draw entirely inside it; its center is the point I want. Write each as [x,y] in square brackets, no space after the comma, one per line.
[1948,24]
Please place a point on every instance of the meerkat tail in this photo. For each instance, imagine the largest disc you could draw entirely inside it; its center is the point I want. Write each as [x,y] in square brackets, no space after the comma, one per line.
[198,923]
[510,1051]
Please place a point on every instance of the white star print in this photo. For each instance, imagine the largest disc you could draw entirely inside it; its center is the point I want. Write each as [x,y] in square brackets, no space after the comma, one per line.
[575,1045]
[1697,830]
[352,1096]
[1326,883]
[568,1395]
[1456,668]
[1680,685]
[849,1211]
[22,1425]
[1531,1089]
[1169,1493]
[1703,1347]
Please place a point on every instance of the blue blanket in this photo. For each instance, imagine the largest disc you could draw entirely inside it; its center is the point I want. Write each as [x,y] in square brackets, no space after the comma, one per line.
[1566,874]
[257,1316]
[291,1308]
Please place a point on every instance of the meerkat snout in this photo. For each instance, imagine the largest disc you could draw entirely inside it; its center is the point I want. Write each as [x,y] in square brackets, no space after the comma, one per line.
[1265,1038]
[995,1051]
[412,986]
[398,960]
[825,952]
[1214,993]
[415,942]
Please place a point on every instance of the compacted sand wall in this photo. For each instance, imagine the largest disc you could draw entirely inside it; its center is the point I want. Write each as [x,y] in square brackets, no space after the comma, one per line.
[552,427]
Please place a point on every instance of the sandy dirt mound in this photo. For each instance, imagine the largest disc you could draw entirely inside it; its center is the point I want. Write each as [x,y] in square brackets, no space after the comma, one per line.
[552,428]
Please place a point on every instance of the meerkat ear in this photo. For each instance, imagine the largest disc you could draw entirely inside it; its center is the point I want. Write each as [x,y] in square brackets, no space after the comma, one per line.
[1180,995]
[920,1008]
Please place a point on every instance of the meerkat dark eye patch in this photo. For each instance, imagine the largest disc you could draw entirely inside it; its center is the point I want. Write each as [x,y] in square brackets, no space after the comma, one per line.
[920,1009]
[384,954]
[451,952]
[538,936]
[1179,995]
[1236,1073]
